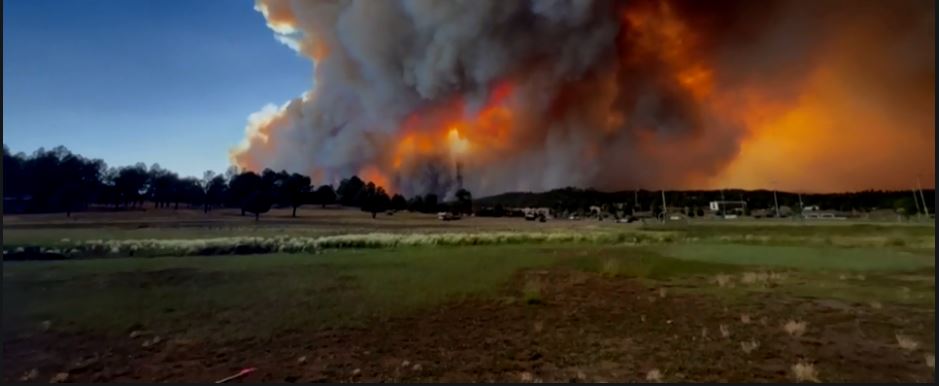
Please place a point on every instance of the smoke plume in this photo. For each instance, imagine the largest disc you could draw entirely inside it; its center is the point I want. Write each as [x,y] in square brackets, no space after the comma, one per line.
[540,94]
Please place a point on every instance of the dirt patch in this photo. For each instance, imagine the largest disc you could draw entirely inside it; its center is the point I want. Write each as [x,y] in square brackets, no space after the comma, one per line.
[585,328]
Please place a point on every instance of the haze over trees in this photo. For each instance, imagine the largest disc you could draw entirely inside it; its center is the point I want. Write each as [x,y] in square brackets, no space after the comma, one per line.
[58,180]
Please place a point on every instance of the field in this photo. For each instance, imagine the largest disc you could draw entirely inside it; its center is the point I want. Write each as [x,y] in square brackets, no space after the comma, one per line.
[335,296]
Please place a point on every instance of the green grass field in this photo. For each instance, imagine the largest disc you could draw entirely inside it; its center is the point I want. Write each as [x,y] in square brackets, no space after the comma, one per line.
[282,291]
[231,299]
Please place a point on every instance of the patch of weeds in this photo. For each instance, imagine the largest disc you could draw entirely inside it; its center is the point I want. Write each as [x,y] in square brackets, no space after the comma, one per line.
[531,293]
[794,328]
[748,347]
[805,371]
[907,343]
[654,376]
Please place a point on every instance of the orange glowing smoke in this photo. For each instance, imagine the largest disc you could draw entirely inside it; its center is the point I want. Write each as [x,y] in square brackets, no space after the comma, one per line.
[454,132]
[655,32]
[376,176]
[856,124]
[846,129]
[680,99]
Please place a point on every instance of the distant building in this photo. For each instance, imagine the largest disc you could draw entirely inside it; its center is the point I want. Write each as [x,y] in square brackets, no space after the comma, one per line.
[738,207]
[537,211]
[816,214]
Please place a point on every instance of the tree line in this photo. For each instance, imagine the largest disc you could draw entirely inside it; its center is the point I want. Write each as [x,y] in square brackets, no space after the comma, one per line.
[58,180]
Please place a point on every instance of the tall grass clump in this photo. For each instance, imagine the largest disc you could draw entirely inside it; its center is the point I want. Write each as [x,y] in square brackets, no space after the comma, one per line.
[795,328]
[907,343]
[805,372]
[531,293]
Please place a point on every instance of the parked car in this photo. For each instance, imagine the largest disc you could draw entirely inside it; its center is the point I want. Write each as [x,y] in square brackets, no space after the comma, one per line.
[447,216]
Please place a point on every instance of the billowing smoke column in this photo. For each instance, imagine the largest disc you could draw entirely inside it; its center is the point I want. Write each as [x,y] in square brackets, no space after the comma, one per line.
[540,94]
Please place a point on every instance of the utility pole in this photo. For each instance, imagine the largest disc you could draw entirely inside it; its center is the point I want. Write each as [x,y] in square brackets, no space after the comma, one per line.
[664,206]
[776,202]
[720,205]
[922,196]
[916,201]
[801,208]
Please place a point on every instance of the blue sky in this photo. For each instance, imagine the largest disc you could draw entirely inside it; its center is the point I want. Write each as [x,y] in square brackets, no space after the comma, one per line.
[165,81]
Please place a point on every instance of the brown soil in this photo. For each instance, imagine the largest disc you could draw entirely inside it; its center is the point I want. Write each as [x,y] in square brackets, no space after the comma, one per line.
[584,328]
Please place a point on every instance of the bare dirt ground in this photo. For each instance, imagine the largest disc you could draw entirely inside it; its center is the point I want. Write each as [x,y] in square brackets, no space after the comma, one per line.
[583,327]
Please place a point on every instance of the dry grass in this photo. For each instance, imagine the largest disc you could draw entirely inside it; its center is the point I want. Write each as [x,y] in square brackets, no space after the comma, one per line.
[581,376]
[904,293]
[30,375]
[761,278]
[610,268]
[301,244]
[804,371]
[745,318]
[930,360]
[59,378]
[725,331]
[654,375]
[662,292]
[753,278]
[795,328]
[907,343]
[526,377]
[723,280]
[876,305]
[748,347]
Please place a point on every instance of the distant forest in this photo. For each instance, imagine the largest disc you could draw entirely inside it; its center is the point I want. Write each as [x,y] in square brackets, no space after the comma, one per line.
[58,180]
